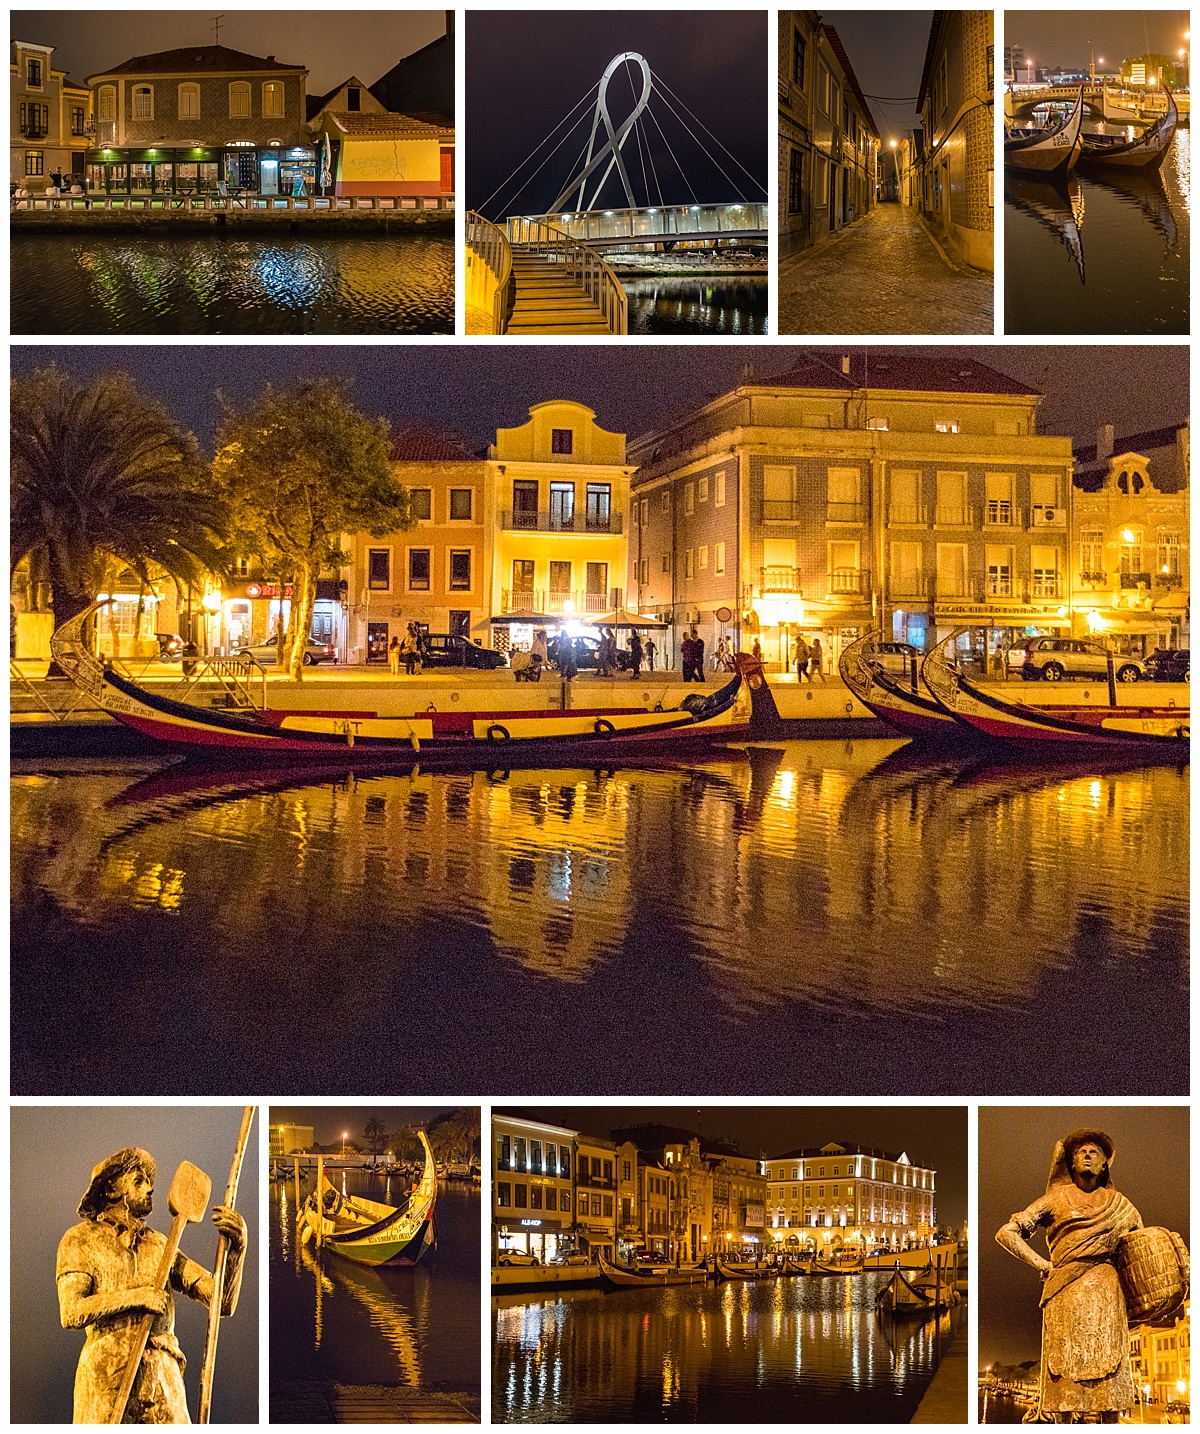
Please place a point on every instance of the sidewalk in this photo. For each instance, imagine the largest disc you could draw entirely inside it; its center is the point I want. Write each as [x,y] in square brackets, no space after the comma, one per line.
[945,1400]
[882,275]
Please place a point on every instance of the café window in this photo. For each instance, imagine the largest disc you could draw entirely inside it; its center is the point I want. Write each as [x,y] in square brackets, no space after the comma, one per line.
[421,503]
[460,504]
[239,99]
[189,102]
[418,570]
[143,102]
[379,570]
[273,99]
[460,570]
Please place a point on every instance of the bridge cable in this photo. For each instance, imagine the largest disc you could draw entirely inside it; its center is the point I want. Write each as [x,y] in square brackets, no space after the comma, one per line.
[667,89]
[645,139]
[637,134]
[671,152]
[587,97]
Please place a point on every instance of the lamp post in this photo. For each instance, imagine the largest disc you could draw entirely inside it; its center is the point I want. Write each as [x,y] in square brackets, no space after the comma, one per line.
[345,1137]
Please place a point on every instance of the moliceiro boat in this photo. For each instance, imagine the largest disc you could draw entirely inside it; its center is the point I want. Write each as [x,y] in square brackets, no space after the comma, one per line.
[1145,151]
[623,1278]
[700,722]
[736,1270]
[369,1231]
[1164,729]
[901,1298]
[1048,153]
[897,699]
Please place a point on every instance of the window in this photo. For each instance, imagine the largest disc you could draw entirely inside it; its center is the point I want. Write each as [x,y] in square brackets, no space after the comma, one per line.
[795,181]
[624,1169]
[565,1202]
[645,510]
[551,1158]
[143,102]
[719,558]
[951,500]
[460,504]
[239,99]
[535,1156]
[702,558]
[560,580]
[33,74]
[421,503]
[799,56]
[719,490]
[78,120]
[906,570]
[946,425]
[999,572]
[535,1197]
[701,490]
[273,99]
[34,161]
[379,570]
[1168,554]
[189,102]
[666,562]
[565,1171]
[503,1153]
[687,563]
[599,507]
[689,497]
[522,579]
[35,120]
[108,104]
[1131,551]
[998,488]
[843,493]
[665,505]
[562,506]
[353,99]
[503,1193]
[521,1197]
[952,570]
[418,570]
[562,440]
[878,424]
[608,1206]
[551,1198]
[460,570]
[1043,567]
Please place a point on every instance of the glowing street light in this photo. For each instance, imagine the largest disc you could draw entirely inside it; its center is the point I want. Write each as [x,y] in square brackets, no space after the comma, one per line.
[345,1137]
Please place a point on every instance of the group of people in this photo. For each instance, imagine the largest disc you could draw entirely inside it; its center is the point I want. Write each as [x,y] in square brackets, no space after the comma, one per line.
[810,660]
[691,656]
[406,649]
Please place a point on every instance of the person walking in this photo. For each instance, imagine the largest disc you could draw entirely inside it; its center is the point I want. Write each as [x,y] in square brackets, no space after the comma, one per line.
[803,654]
[756,650]
[409,650]
[685,657]
[816,661]
[651,653]
[394,656]
[698,657]
[635,652]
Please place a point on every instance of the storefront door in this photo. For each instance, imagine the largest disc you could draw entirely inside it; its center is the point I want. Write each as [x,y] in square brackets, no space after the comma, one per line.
[377,642]
[268,176]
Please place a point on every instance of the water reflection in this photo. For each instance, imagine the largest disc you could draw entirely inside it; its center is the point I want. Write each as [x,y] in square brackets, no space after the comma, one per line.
[857,895]
[793,1349]
[722,304]
[110,282]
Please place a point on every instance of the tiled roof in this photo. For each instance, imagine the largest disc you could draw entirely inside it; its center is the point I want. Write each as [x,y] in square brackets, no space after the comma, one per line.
[1159,445]
[421,443]
[196,59]
[901,372]
[821,1152]
[387,126]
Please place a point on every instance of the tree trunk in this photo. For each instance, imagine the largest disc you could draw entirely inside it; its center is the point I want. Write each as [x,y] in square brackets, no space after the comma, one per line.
[304,592]
[66,604]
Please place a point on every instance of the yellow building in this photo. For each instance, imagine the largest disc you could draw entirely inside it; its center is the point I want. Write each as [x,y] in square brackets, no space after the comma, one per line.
[558,494]
[388,154]
[48,120]
[595,1195]
[1130,577]
[849,1196]
[1161,1361]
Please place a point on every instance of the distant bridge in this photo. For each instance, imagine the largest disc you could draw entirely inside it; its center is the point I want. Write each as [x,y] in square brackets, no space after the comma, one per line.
[1102,101]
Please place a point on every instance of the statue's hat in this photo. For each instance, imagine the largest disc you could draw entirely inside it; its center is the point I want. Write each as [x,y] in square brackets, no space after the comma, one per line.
[1064,1153]
[96,1197]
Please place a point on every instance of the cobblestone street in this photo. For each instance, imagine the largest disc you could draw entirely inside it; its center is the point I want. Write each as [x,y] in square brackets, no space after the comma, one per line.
[881,275]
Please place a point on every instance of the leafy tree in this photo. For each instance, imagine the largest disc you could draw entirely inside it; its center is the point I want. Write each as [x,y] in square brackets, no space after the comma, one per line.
[298,468]
[103,479]
[1162,67]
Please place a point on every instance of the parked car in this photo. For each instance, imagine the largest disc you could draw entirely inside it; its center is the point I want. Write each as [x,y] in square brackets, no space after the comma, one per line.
[573,1257]
[1169,664]
[266,654]
[516,1257]
[895,657]
[651,1257]
[170,646]
[586,650]
[450,649]
[1053,658]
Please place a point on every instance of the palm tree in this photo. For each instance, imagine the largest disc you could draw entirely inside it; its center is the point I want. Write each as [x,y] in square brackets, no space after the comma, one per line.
[104,479]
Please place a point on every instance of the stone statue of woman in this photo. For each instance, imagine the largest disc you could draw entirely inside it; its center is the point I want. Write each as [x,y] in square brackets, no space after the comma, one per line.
[1085,1330]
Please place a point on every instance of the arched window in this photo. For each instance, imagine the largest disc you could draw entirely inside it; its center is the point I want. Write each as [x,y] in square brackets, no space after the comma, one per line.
[272,99]
[239,99]
[143,102]
[108,104]
[189,101]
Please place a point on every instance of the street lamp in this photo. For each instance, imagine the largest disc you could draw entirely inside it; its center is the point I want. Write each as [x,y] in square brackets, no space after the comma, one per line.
[345,1137]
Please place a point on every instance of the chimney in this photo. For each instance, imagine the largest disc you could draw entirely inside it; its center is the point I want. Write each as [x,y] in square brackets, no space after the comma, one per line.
[846,364]
[1104,441]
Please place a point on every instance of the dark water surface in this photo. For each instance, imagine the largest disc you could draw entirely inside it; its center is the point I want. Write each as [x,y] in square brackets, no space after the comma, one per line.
[134,283]
[744,1352]
[1105,252]
[832,917]
[334,1319]
[722,304]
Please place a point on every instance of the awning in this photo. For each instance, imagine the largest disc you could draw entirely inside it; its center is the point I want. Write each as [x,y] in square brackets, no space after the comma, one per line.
[533,619]
[619,617]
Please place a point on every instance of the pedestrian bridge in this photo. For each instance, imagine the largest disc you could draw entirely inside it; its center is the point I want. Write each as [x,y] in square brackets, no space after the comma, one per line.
[660,227]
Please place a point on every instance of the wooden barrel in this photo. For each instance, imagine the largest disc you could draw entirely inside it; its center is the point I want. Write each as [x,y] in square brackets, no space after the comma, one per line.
[1153,1268]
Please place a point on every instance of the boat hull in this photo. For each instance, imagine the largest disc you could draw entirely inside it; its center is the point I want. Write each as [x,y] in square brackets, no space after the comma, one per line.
[1146,152]
[629,1279]
[910,713]
[369,1232]
[1049,153]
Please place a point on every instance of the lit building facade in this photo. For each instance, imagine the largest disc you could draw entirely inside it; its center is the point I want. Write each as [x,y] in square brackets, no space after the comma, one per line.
[557,500]
[533,1187]
[828,142]
[849,1196]
[595,1195]
[1161,1362]
[693,1210]
[48,120]
[1130,573]
[739,1202]
[908,493]
[956,102]
[285,1139]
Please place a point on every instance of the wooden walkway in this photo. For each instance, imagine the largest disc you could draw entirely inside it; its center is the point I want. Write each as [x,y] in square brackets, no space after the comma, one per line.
[319,1401]
[548,301]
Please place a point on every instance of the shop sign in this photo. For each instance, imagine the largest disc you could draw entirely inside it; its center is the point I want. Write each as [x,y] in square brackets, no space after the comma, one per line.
[535,1223]
[993,616]
[267,590]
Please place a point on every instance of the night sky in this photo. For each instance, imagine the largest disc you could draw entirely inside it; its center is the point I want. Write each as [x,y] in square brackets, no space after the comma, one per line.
[932,1136]
[474,390]
[526,72]
[54,1150]
[887,50]
[333,44]
[1150,1168]
[329,1121]
[1060,37]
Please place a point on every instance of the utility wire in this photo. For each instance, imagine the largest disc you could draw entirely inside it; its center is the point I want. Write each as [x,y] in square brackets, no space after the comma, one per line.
[710,157]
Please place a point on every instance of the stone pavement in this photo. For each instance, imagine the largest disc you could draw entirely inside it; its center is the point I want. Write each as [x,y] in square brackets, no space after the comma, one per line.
[945,1400]
[882,275]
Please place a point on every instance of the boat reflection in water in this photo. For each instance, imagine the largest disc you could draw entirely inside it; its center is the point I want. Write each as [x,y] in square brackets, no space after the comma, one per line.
[859,902]
[1056,207]
[746,1351]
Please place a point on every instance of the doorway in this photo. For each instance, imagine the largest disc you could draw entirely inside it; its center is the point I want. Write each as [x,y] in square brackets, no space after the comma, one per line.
[377,642]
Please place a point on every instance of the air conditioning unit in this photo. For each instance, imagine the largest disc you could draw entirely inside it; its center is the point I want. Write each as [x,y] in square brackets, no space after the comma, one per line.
[1045,517]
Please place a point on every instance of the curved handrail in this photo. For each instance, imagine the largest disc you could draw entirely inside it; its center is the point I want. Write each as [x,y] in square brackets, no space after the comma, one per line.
[588,269]
[489,243]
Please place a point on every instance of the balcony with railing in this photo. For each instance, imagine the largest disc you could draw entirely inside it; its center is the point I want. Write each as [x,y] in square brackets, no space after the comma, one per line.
[1001,513]
[1136,580]
[909,585]
[849,581]
[1047,585]
[780,510]
[1168,580]
[1000,587]
[777,579]
[529,520]
[907,515]
[845,512]
[953,515]
[560,604]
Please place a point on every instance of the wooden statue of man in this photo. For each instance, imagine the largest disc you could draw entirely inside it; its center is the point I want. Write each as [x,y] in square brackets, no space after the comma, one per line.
[106,1270]
[1085,1330]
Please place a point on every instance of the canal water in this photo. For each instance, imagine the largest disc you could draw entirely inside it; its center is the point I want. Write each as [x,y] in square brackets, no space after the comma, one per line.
[1102,253]
[135,283]
[829,917]
[743,1352]
[1000,1409]
[334,1319]
[721,304]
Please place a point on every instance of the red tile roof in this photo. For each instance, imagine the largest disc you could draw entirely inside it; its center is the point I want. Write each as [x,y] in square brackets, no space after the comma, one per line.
[422,443]
[386,126]
[901,372]
[196,59]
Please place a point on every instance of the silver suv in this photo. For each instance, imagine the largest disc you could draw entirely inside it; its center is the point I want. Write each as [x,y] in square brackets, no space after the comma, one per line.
[1053,658]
